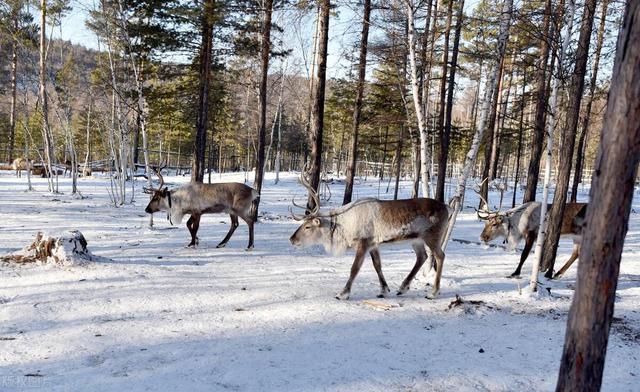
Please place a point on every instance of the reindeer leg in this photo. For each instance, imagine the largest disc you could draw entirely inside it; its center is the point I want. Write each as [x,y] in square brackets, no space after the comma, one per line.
[439,255]
[355,268]
[193,224]
[377,265]
[190,227]
[421,256]
[531,238]
[249,223]
[232,229]
[565,267]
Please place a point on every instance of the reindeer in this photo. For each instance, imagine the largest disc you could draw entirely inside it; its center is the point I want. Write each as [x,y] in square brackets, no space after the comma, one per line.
[196,199]
[367,223]
[20,164]
[524,221]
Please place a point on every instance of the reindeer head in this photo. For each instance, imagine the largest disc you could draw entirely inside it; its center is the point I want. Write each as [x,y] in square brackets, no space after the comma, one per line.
[496,223]
[160,199]
[315,227]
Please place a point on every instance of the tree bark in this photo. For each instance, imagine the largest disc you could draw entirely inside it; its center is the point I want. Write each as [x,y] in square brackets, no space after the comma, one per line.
[398,161]
[520,135]
[568,140]
[577,176]
[444,134]
[206,48]
[14,85]
[492,86]
[362,67]
[415,90]
[537,136]
[262,122]
[607,219]
[46,131]
[317,109]
[551,126]
[489,139]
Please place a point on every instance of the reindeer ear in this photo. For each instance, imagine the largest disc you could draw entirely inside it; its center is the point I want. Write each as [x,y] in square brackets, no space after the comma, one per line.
[316,221]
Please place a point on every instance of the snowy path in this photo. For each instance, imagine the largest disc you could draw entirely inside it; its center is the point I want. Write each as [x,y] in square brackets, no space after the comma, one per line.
[161,317]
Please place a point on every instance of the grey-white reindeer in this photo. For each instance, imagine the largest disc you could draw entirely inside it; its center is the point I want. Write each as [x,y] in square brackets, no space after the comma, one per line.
[366,224]
[195,199]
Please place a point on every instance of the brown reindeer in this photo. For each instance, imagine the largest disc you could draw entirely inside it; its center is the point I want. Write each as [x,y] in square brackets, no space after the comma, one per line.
[20,164]
[524,221]
[196,199]
[366,224]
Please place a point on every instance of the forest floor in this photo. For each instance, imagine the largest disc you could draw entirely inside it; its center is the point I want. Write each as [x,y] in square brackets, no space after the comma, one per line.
[161,317]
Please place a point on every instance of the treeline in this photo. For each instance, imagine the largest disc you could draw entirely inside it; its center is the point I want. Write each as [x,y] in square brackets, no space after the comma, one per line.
[209,86]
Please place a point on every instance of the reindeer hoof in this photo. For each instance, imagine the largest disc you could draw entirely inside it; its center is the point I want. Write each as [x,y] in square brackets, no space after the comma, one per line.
[513,276]
[221,245]
[250,248]
[191,245]
[431,296]
[402,290]
[342,296]
[384,292]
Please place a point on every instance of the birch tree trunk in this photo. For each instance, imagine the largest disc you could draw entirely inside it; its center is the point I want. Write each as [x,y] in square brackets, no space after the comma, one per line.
[14,84]
[551,126]
[607,219]
[576,89]
[362,67]
[415,90]
[46,130]
[492,85]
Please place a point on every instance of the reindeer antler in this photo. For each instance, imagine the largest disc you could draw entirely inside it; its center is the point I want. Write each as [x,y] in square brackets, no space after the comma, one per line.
[159,174]
[312,193]
[486,213]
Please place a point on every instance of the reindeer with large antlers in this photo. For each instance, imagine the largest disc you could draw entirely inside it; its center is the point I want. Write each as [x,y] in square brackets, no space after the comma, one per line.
[524,221]
[196,199]
[366,224]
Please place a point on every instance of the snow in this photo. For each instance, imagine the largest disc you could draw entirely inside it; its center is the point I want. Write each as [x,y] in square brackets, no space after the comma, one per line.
[156,316]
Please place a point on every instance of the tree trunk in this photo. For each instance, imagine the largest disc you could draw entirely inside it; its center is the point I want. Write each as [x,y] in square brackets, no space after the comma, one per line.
[489,139]
[262,122]
[520,135]
[444,134]
[551,126]
[537,136]
[362,67]
[206,48]
[46,131]
[415,90]
[398,161]
[504,103]
[317,109]
[14,86]
[607,219]
[492,86]
[577,176]
[569,137]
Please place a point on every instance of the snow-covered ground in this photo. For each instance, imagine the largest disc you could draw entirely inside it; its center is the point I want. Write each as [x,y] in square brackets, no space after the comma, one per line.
[161,317]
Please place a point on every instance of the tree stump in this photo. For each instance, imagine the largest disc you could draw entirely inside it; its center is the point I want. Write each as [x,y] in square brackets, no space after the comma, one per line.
[68,248]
